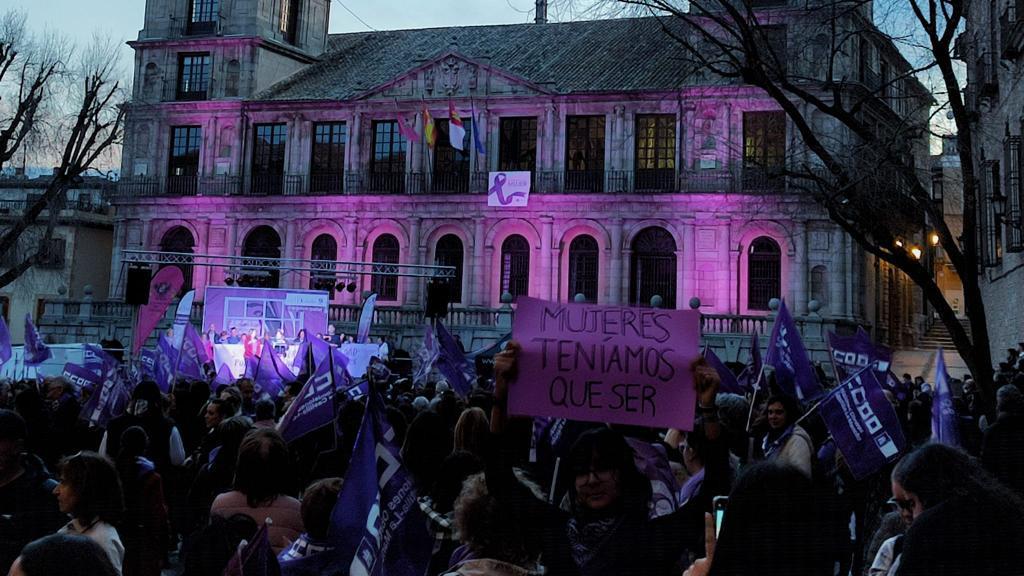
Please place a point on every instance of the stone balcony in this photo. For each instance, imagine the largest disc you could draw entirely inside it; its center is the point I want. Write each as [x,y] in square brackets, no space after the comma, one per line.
[68,321]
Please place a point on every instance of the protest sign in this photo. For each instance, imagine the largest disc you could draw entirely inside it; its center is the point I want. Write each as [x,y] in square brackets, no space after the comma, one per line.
[359,356]
[605,363]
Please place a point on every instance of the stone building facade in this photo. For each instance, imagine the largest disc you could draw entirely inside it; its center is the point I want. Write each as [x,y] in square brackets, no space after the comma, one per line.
[648,177]
[993,48]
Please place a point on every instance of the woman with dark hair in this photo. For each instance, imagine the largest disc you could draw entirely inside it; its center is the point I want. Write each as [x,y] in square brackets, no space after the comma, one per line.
[147,411]
[786,442]
[471,431]
[63,555]
[775,525]
[428,441]
[964,520]
[607,529]
[263,483]
[90,492]
[145,526]
[216,476]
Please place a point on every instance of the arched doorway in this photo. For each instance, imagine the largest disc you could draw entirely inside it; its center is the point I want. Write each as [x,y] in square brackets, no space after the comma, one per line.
[261,242]
[653,268]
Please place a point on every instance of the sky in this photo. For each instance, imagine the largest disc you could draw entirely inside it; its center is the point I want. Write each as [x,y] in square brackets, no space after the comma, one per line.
[122,19]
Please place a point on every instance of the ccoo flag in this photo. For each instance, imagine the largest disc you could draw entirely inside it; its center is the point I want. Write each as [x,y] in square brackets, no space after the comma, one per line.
[377,527]
[787,355]
[729,382]
[271,372]
[166,360]
[456,131]
[944,418]
[863,423]
[427,355]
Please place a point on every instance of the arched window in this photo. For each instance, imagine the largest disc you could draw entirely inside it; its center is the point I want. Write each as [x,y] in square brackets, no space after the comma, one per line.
[179,240]
[819,285]
[653,268]
[583,255]
[261,242]
[449,253]
[234,75]
[764,273]
[385,251]
[515,266]
[324,248]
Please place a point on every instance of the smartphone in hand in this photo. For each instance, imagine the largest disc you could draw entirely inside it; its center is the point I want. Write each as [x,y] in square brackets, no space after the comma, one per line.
[719,504]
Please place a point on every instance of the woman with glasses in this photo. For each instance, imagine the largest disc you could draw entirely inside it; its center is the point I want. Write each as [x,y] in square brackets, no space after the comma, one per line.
[90,493]
[607,529]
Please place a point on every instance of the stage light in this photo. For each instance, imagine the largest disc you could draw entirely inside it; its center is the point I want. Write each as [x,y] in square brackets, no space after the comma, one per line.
[229,281]
[339,286]
[351,287]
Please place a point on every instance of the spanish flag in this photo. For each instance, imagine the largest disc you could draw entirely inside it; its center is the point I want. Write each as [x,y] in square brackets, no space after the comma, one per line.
[428,128]
[456,131]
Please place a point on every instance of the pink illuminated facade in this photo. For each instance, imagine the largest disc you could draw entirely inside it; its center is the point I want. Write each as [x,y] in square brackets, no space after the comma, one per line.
[254,133]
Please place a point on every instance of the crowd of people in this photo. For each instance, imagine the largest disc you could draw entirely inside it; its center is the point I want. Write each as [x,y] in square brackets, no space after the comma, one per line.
[190,474]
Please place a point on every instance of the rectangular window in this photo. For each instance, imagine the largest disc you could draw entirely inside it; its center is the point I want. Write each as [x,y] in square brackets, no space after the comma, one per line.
[517,147]
[203,16]
[268,158]
[764,149]
[52,256]
[655,151]
[327,161]
[387,166]
[997,224]
[183,163]
[193,76]
[289,19]
[451,166]
[1012,189]
[584,153]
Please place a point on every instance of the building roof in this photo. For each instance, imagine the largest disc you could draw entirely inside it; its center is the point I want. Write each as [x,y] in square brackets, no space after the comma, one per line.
[619,55]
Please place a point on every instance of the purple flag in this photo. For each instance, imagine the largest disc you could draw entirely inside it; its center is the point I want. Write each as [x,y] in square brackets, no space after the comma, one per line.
[256,558]
[366,319]
[850,354]
[478,129]
[166,360]
[271,372]
[729,382]
[427,355]
[313,407]
[224,376]
[36,352]
[652,461]
[451,362]
[5,342]
[945,427]
[82,378]
[787,355]
[192,355]
[863,423]
[377,527]
[147,362]
[109,399]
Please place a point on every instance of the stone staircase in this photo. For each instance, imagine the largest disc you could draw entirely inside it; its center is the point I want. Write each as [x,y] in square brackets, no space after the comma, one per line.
[938,336]
[921,360]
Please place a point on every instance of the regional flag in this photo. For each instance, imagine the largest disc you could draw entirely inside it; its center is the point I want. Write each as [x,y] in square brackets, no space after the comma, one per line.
[428,128]
[456,131]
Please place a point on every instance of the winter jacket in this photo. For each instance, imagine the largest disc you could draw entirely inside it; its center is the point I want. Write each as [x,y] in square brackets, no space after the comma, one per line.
[797,451]
[28,510]
[1002,450]
[284,513]
[487,567]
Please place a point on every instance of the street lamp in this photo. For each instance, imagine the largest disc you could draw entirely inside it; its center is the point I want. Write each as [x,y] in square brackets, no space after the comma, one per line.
[915,252]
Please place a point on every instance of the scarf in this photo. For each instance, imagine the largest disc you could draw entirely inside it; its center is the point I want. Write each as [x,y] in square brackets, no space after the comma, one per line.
[771,447]
[586,539]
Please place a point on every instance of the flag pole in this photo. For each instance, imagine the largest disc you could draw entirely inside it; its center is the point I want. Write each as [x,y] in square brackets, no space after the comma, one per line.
[753,399]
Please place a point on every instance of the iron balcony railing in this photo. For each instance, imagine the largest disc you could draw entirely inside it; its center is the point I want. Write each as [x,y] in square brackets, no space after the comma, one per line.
[1011,28]
[730,180]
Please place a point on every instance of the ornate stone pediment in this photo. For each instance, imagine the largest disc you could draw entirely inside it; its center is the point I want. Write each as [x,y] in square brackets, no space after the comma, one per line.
[453,75]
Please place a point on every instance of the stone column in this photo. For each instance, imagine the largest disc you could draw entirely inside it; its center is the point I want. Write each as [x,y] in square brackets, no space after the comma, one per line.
[201,274]
[417,148]
[544,287]
[688,285]
[548,156]
[849,274]
[291,279]
[417,255]
[800,269]
[724,281]
[615,263]
[837,276]
[478,288]
[615,159]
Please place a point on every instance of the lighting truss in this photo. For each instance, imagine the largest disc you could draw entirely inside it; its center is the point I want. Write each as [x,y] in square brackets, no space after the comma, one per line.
[318,268]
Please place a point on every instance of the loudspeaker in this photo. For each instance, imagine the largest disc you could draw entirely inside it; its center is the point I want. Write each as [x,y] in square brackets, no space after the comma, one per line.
[438,296]
[136,288]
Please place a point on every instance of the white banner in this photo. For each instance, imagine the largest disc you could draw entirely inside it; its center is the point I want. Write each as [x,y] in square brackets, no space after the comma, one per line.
[359,356]
[508,189]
